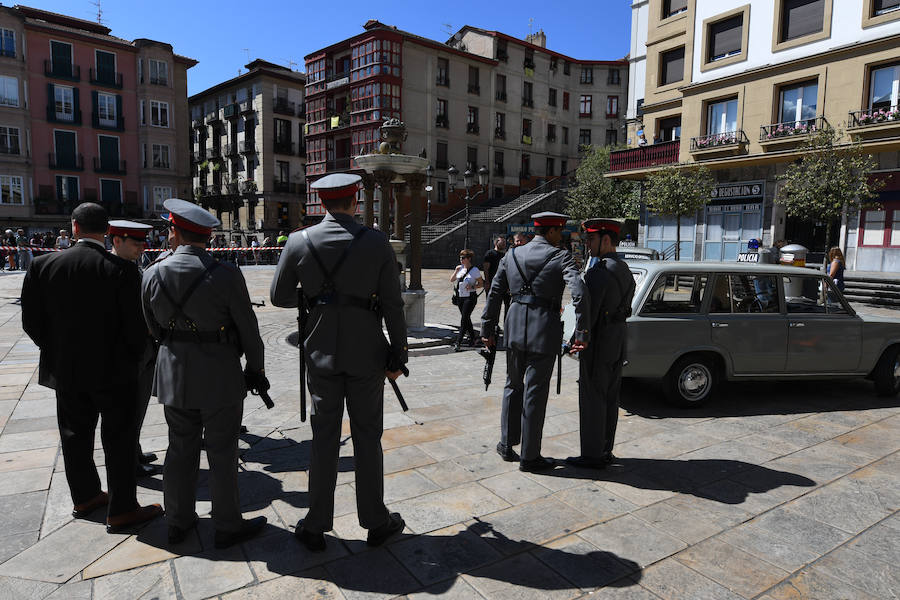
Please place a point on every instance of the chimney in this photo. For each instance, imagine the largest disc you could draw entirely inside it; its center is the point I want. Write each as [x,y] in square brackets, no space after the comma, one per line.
[538,39]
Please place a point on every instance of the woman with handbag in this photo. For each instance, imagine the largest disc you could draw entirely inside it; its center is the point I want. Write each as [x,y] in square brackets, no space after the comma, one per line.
[466,281]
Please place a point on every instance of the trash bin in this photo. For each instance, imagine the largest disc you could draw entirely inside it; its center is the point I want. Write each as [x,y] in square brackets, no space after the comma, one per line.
[793,255]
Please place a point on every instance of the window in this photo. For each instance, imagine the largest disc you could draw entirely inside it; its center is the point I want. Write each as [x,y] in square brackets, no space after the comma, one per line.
[526,131]
[612,106]
[613,77]
[64,146]
[159,113]
[584,137]
[109,153]
[7,43]
[500,125]
[9,91]
[442,120]
[722,117]
[563,167]
[527,94]
[442,192]
[873,227]
[282,172]
[798,103]
[441,161]
[106,67]
[884,87]
[501,88]
[551,100]
[801,17]
[502,53]
[670,129]
[67,190]
[498,164]
[551,132]
[61,59]
[282,131]
[725,38]
[11,190]
[106,109]
[529,58]
[526,166]
[160,156]
[64,100]
[587,75]
[584,106]
[9,140]
[565,135]
[612,137]
[472,120]
[676,293]
[565,100]
[673,7]
[443,72]
[807,295]
[550,167]
[880,7]
[745,294]
[160,195]
[566,67]
[111,192]
[671,66]
[474,88]
[159,72]
[143,116]
[472,158]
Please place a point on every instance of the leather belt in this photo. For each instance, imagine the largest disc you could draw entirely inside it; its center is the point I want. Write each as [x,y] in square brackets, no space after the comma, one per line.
[342,300]
[529,300]
[197,337]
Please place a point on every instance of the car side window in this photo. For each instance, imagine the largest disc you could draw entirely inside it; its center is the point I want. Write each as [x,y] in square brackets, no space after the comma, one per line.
[679,293]
[805,294]
[744,293]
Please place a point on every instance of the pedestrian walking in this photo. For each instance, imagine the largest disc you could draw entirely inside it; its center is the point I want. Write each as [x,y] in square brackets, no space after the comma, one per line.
[535,275]
[611,287]
[93,377]
[199,310]
[24,252]
[467,280]
[350,283]
[490,264]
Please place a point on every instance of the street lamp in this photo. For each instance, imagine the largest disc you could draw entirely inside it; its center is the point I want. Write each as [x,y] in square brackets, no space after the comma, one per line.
[429,175]
[468,181]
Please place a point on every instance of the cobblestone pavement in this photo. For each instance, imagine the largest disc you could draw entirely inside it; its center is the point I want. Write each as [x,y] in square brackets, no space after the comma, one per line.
[775,491]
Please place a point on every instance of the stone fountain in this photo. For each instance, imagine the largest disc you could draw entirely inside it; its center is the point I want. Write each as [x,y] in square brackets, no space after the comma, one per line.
[389,167]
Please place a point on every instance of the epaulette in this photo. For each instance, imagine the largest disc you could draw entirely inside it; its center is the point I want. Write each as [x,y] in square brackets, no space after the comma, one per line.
[162,256]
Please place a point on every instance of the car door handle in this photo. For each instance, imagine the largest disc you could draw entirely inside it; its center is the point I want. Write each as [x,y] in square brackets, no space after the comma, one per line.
[717,325]
[797,324]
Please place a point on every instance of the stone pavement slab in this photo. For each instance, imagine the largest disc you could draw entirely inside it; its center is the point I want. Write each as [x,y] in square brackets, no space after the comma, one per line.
[211,573]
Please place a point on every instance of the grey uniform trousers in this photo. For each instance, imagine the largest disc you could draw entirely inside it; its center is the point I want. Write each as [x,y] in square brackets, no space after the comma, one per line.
[599,383]
[145,390]
[525,400]
[222,426]
[365,405]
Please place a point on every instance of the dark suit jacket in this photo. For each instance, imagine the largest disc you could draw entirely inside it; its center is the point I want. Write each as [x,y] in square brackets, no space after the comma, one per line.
[82,307]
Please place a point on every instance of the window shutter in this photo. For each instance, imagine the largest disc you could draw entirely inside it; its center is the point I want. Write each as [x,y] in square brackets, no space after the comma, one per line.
[95,102]
[802,17]
[76,103]
[673,66]
[51,97]
[725,37]
[120,118]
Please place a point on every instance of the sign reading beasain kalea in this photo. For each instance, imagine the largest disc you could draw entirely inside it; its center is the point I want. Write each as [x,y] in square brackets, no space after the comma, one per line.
[740,190]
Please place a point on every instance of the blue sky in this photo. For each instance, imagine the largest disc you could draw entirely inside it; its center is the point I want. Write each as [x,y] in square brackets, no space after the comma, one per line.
[216,32]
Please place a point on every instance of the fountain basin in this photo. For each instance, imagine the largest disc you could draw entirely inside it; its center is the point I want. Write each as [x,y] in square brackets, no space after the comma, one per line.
[398,163]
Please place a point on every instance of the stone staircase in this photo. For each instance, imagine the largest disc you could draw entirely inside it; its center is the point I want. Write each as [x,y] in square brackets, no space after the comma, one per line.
[880,289]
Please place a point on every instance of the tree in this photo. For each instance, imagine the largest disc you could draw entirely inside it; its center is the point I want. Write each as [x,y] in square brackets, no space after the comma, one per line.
[678,192]
[829,179]
[599,196]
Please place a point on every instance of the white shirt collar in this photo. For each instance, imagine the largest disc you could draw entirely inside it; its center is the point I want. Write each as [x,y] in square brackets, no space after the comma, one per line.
[92,241]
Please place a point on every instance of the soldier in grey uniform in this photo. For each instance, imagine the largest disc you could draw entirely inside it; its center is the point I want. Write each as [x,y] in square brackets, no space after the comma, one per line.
[199,309]
[349,280]
[611,286]
[535,275]
[128,239]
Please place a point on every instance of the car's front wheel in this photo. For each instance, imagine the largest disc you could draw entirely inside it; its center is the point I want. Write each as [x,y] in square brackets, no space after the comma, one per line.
[887,372]
[691,380]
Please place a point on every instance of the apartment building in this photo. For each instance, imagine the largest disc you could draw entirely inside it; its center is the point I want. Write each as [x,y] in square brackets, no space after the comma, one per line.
[76,119]
[248,151]
[482,98]
[744,81]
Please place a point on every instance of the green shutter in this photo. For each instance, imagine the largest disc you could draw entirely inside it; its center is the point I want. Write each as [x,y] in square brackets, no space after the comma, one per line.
[120,118]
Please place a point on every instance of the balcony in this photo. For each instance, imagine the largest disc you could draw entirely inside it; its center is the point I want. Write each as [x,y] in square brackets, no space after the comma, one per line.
[338,164]
[793,133]
[248,187]
[281,187]
[283,107]
[501,96]
[338,121]
[65,71]
[117,124]
[500,134]
[585,115]
[644,157]
[248,147]
[471,128]
[232,111]
[529,102]
[214,153]
[246,106]
[526,139]
[105,78]
[159,80]
[231,150]
[213,118]
[528,63]
[728,142]
[72,118]
[232,188]
[161,164]
[7,53]
[442,80]
[337,80]
[9,149]
[498,170]
[283,147]
[74,162]
[502,55]
[524,174]
[475,89]
[875,121]
[612,115]
[114,167]
[199,123]
[442,121]
[551,138]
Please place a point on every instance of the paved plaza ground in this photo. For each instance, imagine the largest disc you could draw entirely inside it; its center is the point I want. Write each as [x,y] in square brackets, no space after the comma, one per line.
[775,491]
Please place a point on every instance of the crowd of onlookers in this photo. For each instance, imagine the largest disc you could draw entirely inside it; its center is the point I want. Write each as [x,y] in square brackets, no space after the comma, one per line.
[18,249]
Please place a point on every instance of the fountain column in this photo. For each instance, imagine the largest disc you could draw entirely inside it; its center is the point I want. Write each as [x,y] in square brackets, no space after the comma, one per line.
[415,183]
[383,178]
[368,182]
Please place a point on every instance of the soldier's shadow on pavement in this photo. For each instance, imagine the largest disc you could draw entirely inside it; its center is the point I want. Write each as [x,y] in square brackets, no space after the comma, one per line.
[703,478]
[753,398]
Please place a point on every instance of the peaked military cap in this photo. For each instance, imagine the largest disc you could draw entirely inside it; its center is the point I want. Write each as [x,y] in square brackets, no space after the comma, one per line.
[129,229]
[336,186]
[190,217]
[550,219]
[600,225]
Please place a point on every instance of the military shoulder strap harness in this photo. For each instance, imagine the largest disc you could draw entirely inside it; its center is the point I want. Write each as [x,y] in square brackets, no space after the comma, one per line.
[328,295]
[192,333]
[526,295]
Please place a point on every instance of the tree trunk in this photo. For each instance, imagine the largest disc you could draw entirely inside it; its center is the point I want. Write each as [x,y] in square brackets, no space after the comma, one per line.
[677,237]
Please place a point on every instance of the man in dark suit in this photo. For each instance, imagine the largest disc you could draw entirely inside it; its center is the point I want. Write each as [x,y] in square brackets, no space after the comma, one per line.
[88,295]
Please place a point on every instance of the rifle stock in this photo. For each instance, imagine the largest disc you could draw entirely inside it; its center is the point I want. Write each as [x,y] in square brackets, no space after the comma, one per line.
[301,332]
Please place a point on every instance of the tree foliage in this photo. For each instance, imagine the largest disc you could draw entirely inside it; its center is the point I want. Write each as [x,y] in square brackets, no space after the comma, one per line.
[599,196]
[828,178]
[678,192]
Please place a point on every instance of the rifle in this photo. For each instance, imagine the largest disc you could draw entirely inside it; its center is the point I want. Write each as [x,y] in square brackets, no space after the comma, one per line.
[563,350]
[489,355]
[397,388]
[302,315]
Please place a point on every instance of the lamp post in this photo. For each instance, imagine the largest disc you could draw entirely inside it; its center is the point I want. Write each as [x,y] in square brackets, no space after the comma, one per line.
[468,181]
[429,175]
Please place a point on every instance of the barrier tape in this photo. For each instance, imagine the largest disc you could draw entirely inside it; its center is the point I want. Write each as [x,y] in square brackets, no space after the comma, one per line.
[41,249]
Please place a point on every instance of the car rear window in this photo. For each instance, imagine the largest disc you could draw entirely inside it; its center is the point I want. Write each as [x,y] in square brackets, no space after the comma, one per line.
[811,295]
[679,293]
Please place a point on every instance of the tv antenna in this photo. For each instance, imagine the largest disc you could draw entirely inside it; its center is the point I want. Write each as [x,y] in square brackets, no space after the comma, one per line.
[247,50]
[96,4]
[291,64]
[448,27]
[530,26]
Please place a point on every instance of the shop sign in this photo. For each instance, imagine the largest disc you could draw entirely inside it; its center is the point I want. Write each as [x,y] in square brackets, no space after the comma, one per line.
[738,191]
[730,208]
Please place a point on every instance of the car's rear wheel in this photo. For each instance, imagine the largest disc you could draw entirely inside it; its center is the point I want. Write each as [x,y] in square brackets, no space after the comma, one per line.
[887,372]
[692,380]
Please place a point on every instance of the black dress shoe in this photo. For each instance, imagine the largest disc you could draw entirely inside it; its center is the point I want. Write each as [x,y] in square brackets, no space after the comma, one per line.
[507,454]
[243,429]
[382,533]
[178,534]
[587,462]
[145,458]
[536,465]
[250,528]
[314,542]
[147,470]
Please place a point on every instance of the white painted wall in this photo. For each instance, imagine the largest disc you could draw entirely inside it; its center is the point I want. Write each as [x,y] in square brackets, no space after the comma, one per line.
[637,56]
[846,29]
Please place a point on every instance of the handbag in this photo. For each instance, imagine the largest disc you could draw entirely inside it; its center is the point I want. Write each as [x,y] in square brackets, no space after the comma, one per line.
[455,298]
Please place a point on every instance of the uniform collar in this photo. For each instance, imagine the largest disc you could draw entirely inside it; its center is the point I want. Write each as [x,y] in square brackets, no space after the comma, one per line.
[188,249]
[340,217]
[91,241]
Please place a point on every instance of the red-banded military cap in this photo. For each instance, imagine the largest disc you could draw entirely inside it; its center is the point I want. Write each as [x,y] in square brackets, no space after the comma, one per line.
[337,186]
[190,217]
[600,225]
[129,229]
[550,219]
